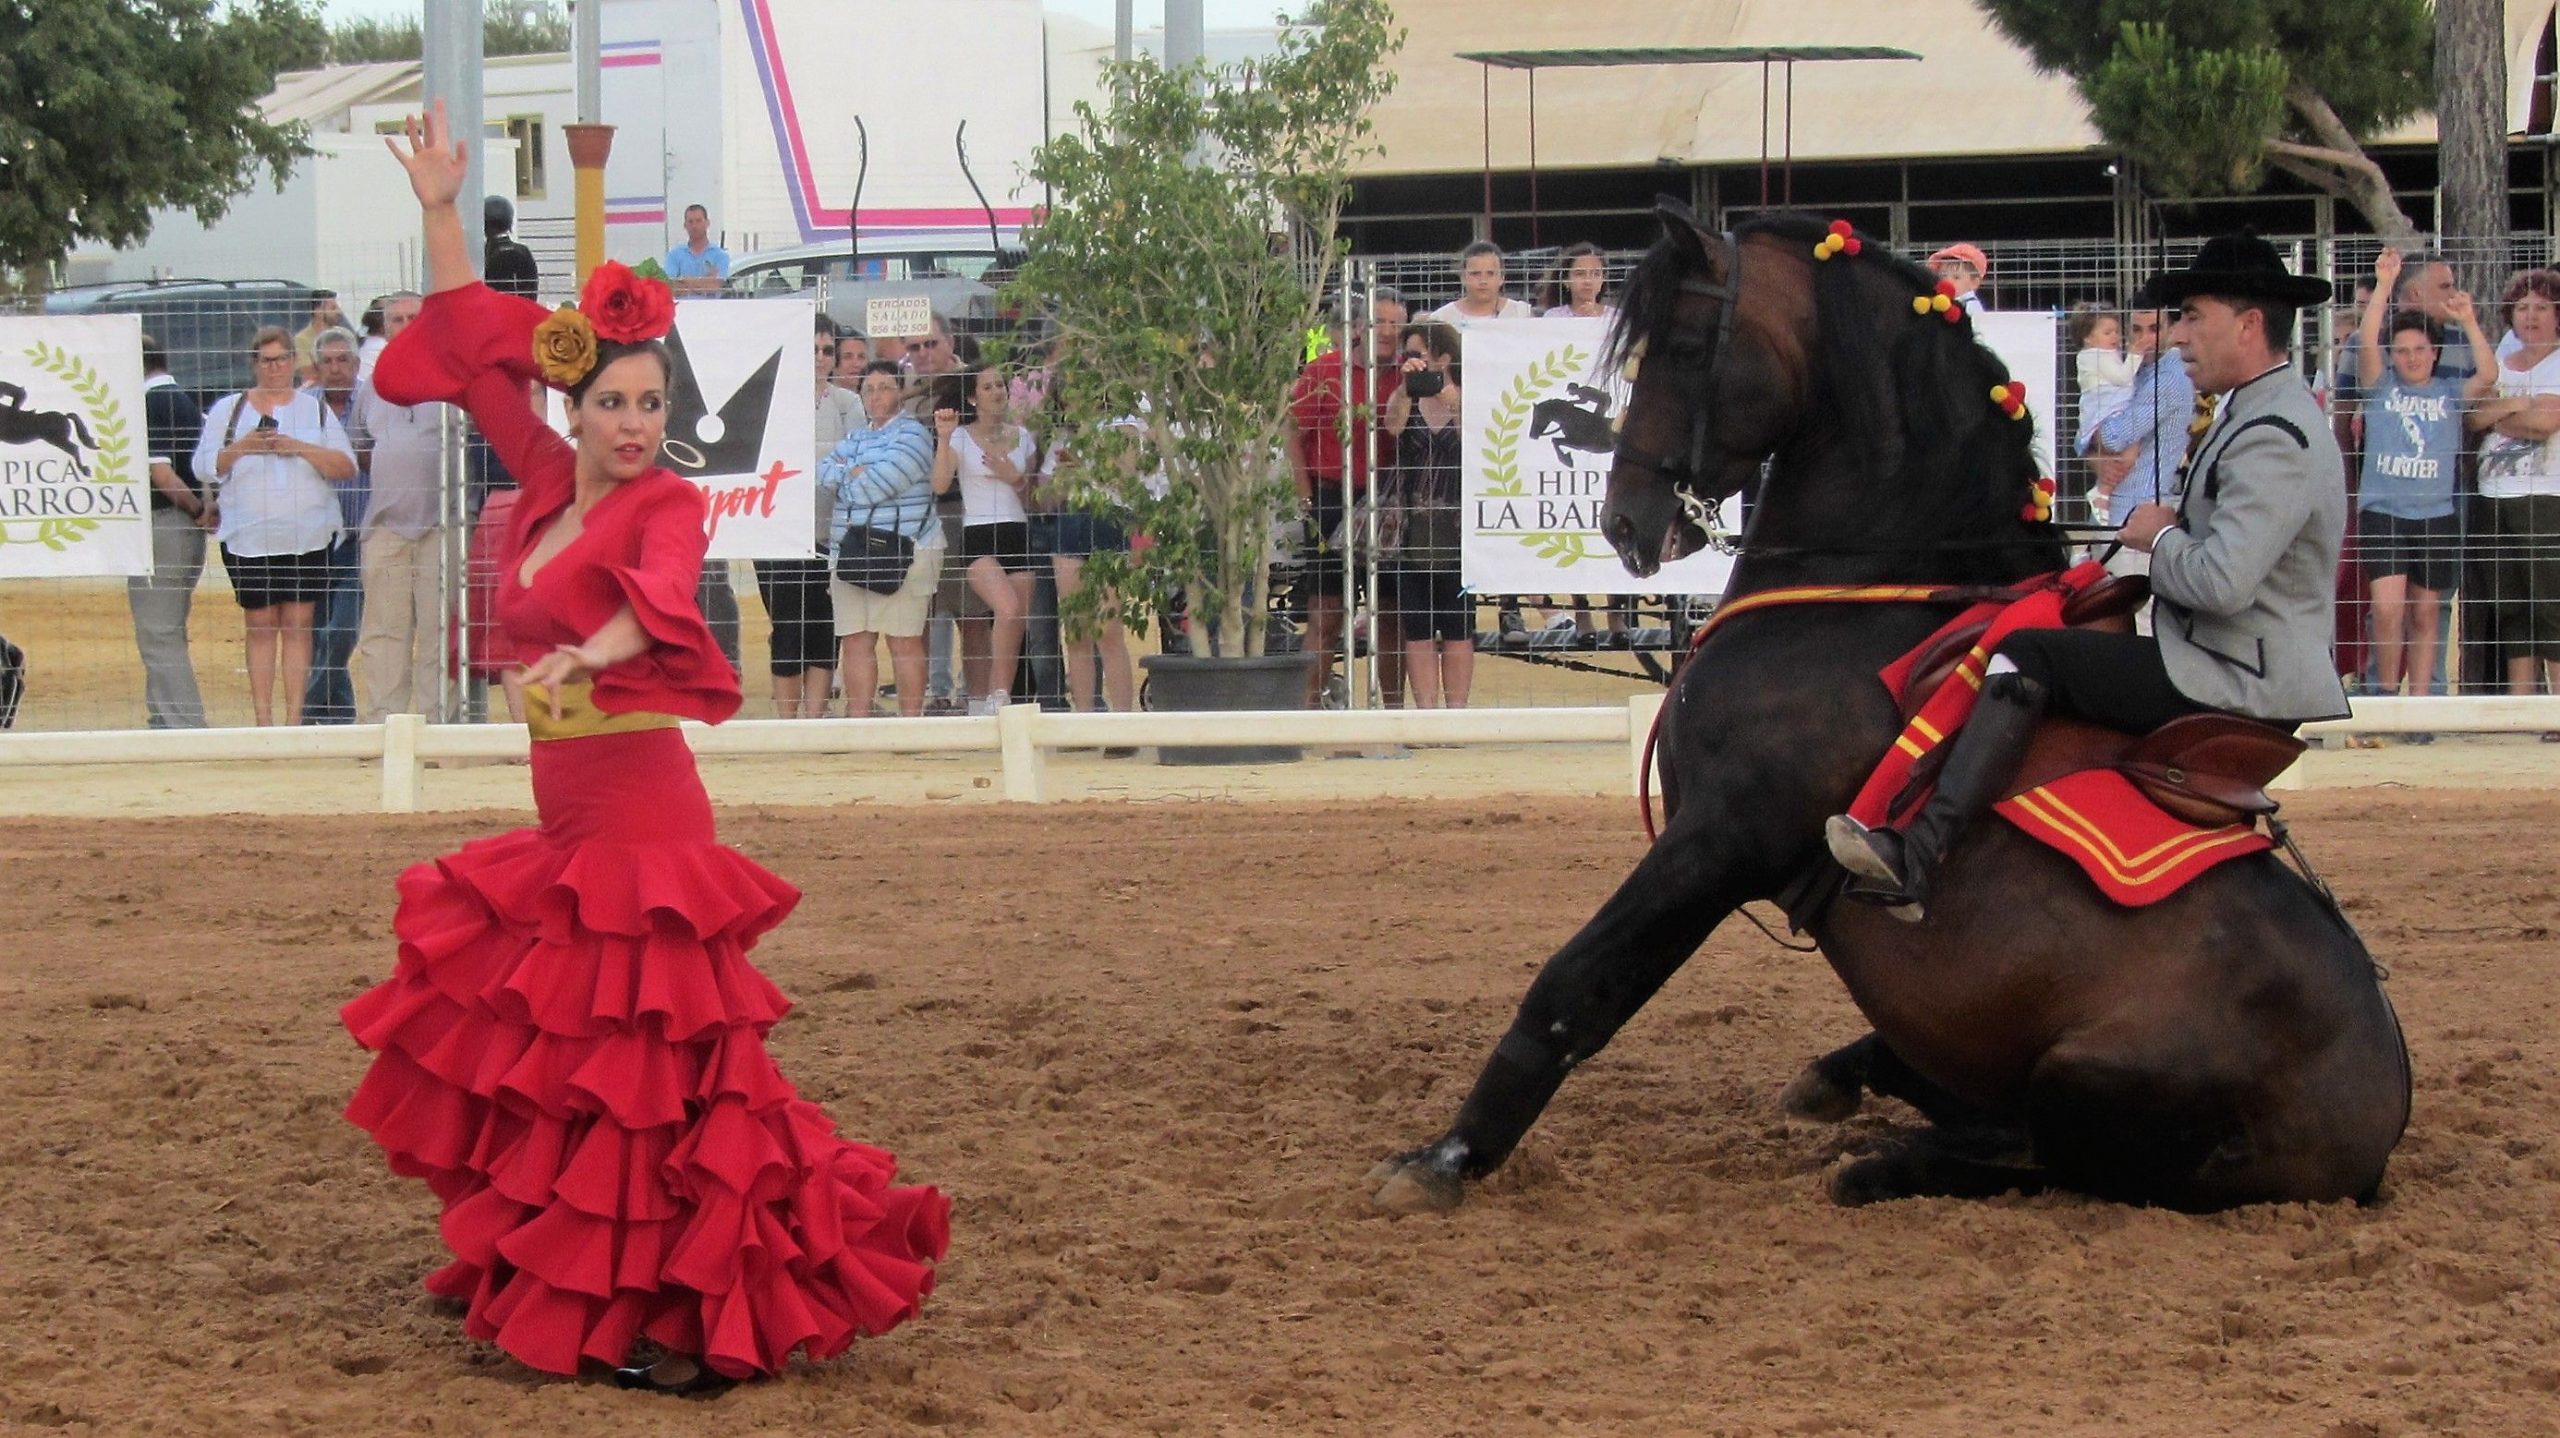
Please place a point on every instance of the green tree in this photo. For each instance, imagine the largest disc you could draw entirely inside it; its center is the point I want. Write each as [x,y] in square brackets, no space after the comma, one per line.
[2206,95]
[507,27]
[1191,224]
[111,108]
[2471,138]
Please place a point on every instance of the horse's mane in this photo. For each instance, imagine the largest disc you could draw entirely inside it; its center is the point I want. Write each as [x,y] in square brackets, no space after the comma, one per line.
[1918,396]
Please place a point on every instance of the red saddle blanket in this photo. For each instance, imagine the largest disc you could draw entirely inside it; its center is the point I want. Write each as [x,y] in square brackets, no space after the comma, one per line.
[2135,852]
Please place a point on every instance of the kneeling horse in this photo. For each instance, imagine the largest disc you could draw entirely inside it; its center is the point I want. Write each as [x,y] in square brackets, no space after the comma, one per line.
[2229,1044]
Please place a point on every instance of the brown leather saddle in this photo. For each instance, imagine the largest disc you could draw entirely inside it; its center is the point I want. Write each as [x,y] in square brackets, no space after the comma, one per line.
[2205,769]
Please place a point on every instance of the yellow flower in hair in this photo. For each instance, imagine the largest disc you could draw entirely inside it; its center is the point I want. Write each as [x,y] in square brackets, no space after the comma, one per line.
[564,348]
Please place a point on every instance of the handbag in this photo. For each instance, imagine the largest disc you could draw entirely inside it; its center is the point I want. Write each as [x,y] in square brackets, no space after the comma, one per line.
[875,559]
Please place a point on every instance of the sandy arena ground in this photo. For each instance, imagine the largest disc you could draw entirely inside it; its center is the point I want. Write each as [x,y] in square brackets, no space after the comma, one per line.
[1151,1047]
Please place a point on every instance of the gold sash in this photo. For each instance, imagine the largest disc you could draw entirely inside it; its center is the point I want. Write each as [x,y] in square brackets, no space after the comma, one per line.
[579,716]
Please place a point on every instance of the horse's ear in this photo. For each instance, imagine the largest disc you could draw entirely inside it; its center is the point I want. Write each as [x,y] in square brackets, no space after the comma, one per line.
[1680,226]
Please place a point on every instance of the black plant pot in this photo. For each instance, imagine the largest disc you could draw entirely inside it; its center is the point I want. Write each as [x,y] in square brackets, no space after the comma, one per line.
[1184,683]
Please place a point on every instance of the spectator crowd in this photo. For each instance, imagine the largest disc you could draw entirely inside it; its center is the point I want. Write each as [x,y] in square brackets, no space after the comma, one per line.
[2449,413]
[325,504]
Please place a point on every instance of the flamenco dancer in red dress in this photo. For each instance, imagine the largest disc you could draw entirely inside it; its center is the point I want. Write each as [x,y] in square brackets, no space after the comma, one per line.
[571,1050]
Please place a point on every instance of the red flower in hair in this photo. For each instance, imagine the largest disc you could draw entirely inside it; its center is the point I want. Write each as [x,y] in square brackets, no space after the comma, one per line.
[625,307]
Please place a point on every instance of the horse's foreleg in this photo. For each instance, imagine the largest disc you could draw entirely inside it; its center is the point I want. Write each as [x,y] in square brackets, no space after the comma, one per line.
[1578,1002]
[1832,1087]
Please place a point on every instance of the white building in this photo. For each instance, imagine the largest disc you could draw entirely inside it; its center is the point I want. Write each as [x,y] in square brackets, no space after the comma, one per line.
[756,109]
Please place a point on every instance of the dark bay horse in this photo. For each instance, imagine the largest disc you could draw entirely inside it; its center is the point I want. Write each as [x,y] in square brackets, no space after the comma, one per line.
[2230,1044]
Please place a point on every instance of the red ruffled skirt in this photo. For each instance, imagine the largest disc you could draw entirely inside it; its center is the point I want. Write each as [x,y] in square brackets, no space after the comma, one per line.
[571,1054]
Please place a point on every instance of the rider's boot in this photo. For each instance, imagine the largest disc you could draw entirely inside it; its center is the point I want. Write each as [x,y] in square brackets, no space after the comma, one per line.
[1895,868]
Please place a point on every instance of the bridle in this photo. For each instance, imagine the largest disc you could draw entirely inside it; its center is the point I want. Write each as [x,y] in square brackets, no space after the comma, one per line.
[1694,381]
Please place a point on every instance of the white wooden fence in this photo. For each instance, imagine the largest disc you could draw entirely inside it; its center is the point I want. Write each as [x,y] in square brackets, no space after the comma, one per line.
[1023,735]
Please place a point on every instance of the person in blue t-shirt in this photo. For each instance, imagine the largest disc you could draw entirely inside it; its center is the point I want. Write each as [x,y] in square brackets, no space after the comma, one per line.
[697,267]
[2409,532]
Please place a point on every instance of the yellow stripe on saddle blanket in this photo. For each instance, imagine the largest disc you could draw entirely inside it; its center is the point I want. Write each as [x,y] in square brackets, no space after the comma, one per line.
[579,718]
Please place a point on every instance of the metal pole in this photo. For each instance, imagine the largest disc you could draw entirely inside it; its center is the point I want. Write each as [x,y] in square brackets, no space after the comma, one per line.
[1123,30]
[1789,169]
[452,74]
[586,41]
[453,630]
[1184,39]
[1487,72]
[1533,157]
[1350,427]
[1764,134]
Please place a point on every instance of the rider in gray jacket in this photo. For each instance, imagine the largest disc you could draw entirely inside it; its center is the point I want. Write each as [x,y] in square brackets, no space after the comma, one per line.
[2243,566]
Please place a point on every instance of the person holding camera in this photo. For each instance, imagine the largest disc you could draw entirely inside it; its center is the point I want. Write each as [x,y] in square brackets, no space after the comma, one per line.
[1439,621]
[276,456]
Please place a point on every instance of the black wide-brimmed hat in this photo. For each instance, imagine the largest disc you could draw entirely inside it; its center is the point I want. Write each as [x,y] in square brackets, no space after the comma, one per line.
[2240,266]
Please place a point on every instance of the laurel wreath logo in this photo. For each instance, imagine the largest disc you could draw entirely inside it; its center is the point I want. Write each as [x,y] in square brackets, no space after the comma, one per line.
[1502,452]
[106,421]
[1511,415]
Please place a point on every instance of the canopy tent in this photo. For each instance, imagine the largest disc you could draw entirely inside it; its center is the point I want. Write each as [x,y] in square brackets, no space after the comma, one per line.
[1767,57]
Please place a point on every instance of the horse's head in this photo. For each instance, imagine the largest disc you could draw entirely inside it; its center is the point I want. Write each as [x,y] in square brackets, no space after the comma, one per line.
[1874,404]
[1717,379]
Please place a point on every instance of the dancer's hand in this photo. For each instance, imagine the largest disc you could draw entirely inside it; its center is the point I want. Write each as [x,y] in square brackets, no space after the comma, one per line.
[436,161]
[568,664]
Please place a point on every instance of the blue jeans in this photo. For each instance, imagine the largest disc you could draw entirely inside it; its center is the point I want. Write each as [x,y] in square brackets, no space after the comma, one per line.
[330,695]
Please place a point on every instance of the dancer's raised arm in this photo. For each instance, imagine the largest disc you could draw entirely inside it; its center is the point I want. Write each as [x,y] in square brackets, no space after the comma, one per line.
[437,163]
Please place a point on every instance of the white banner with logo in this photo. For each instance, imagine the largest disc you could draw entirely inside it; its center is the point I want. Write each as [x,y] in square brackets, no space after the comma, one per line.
[1540,418]
[742,418]
[75,447]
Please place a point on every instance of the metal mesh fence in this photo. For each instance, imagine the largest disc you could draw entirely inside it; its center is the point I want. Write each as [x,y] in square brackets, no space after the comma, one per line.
[2448,590]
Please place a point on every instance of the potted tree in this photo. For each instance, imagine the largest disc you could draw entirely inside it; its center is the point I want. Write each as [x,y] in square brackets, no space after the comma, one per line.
[1192,221]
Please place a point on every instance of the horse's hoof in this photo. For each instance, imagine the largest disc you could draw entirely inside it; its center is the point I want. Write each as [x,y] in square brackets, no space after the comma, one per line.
[1869,1180]
[1818,1097]
[1411,1183]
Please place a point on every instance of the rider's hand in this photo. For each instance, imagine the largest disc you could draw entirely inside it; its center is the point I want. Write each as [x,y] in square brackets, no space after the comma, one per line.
[2142,527]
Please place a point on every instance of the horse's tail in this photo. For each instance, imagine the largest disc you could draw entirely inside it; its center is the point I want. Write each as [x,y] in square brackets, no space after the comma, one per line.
[80,427]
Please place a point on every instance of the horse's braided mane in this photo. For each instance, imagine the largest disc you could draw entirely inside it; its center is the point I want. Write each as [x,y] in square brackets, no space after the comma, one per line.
[1947,438]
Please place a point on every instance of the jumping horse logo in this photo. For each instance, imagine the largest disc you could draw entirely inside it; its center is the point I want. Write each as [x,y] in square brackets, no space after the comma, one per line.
[1583,427]
[62,429]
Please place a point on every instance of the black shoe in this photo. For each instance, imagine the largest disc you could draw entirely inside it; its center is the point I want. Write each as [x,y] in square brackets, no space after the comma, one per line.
[1873,858]
[1895,869]
[703,1383]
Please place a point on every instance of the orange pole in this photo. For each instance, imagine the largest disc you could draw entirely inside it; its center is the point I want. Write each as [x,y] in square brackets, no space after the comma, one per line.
[588,147]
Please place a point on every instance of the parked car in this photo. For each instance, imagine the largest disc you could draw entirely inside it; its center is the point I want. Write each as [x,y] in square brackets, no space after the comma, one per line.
[205,325]
[959,271]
